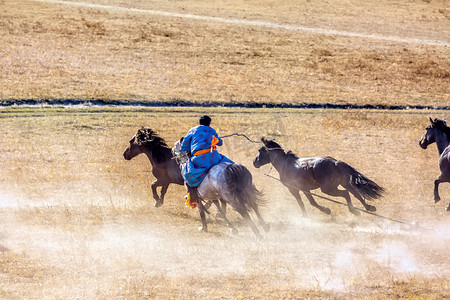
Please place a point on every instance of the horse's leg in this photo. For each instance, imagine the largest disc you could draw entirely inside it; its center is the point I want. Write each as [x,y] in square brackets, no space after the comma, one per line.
[156,184]
[439,180]
[208,203]
[224,206]
[204,226]
[263,223]
[358,196]
[246,216]
[314,203]
[335,192]
[296,194]
[224,216]
[444,177]
[437,198]
[161,197]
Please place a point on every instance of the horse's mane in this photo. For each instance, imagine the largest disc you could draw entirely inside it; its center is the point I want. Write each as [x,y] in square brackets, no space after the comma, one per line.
[291,155]
[272,145]
[442,125]
[148,137]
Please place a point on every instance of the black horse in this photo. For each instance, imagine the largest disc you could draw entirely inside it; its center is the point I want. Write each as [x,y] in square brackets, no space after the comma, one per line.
[164,168]
[438,132]
[326,173]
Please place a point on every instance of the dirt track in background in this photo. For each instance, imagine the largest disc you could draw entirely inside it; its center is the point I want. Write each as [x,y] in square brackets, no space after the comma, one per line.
[244,22]
[60,51]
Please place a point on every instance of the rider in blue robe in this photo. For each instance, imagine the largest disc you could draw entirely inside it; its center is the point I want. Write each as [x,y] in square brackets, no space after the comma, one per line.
[201,142]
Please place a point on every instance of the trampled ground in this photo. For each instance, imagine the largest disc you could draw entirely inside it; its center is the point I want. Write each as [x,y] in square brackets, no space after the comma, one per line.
[77,220]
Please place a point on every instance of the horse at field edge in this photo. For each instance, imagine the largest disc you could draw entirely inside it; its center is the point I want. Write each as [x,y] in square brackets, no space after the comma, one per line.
[438,132]
[326,173]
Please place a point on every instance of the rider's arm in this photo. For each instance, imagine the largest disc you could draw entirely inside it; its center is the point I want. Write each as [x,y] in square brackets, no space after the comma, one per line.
[186,144]
[217,136]
[220,143]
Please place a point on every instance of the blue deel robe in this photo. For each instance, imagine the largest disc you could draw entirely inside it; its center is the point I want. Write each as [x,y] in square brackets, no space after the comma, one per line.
[200,138]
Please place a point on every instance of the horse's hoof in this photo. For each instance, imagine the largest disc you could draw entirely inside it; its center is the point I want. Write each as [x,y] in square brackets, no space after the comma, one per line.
[266,227]
[234,231]
[326,210]
[355,212]
[201,228]
[371,208]
[158,203]
[436,200]
[448,208]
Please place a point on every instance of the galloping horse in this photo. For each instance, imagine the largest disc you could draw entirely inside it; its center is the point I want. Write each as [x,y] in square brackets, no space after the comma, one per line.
[438,132]
[164,168]
[326,173]
[227,183]
[233,184]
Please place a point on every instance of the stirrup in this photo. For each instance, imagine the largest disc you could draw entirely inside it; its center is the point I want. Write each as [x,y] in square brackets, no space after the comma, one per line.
[189,202]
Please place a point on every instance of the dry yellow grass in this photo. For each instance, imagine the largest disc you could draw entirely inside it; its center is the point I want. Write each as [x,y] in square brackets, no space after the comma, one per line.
[60,51]
[77,220]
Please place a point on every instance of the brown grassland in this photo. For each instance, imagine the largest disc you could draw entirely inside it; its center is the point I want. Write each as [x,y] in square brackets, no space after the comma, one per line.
[77,220]
[55,51]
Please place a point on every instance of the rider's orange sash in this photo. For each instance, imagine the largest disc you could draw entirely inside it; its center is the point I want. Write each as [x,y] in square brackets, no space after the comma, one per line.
[214,142]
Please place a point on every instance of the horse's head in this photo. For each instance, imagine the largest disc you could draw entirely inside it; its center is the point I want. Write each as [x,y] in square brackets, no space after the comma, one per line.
[263,156]
[430,135]
[144,139]
[133,149]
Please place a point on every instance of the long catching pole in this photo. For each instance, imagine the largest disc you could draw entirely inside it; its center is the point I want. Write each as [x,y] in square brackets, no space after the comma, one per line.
[239,134]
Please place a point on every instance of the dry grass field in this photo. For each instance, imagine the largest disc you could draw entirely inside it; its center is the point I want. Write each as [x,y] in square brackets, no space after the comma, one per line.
[77,220]
[342,52]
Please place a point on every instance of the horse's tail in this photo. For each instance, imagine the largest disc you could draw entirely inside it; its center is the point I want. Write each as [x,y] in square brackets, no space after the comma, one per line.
[367,188]
[240,181]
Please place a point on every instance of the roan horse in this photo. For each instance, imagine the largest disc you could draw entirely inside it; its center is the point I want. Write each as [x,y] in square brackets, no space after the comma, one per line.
[438,132]
[228,183]
[326,173]
[164,168]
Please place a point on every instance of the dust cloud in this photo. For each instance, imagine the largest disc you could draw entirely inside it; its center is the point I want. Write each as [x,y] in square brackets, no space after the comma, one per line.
[319,252]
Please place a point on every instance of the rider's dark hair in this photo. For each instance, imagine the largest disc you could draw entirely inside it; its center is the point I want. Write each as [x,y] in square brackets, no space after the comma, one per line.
[205,120]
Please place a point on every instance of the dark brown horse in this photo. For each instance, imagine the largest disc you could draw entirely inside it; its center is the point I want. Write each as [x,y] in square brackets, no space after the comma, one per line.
[438,132]
[164,168]
[326,173]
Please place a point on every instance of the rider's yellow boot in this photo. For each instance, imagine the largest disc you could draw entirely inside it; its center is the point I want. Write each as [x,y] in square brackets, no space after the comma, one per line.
[189,202]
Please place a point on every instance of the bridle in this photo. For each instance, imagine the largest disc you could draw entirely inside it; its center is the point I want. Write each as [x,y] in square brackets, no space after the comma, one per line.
[276,153]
